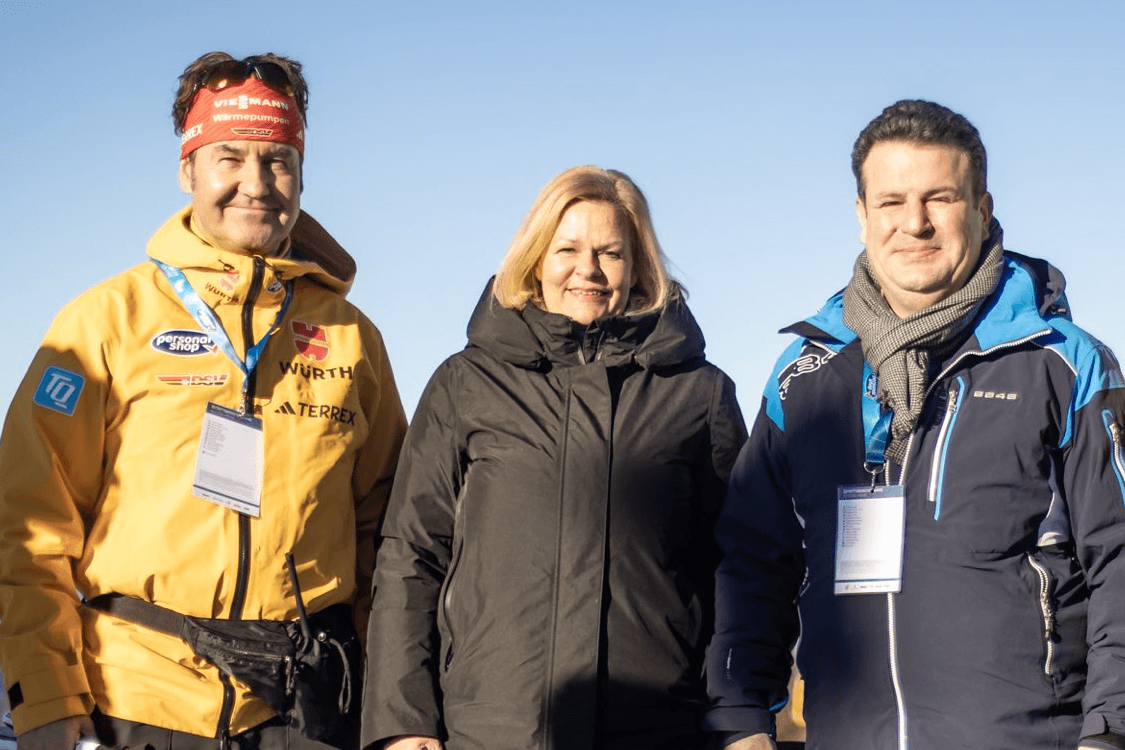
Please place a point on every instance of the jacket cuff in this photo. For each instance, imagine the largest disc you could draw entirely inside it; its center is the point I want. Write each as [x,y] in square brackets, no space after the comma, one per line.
[49,695]
[741,719]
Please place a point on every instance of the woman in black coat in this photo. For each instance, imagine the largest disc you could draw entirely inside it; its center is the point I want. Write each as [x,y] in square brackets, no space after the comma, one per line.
[545,578]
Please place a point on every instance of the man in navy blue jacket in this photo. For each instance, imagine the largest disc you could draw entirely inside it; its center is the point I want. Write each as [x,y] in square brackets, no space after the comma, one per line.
[933,495]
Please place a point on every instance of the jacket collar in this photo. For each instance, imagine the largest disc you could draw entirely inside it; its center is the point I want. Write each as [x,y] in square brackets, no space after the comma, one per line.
[535,339]
[312,254]
[1030,292]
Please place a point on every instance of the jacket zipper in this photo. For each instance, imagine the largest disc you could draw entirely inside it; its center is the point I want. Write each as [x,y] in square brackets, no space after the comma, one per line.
[1047,611]
[1116,439]
[892,632]
[896,679]
[892,643]
[447,599]
[937,469]
[238,601]
[243,575]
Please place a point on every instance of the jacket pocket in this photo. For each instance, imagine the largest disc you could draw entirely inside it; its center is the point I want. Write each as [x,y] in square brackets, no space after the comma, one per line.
[1117,450]
[1046,611]
[941,450]
[447,595]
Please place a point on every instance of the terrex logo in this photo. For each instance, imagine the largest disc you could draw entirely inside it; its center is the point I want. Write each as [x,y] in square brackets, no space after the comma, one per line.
[311,341]
[317,411]
[183,343]
[191,132]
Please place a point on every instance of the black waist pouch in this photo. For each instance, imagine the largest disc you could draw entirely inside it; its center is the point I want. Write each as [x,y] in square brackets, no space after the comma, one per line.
[306,675]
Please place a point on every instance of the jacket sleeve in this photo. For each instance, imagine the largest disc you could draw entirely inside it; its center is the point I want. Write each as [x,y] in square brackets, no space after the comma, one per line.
[1094,486]
[726,435]
[748,661]
[402,693]
[51,456]
[375,467]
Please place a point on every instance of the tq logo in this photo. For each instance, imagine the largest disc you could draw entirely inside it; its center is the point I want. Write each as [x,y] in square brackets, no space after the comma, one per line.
[59,390]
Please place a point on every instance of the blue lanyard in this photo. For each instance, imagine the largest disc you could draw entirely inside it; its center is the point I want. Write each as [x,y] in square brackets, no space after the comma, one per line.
[876,423]
[211,325]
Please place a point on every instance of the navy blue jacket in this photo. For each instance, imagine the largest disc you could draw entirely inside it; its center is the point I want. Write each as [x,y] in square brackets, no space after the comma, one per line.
[1014,552]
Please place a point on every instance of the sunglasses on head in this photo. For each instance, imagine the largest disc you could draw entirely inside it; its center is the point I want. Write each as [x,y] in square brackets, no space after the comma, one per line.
[234,72]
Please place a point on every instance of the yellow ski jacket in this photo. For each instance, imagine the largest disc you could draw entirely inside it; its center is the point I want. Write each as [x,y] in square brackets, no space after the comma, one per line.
[98,456]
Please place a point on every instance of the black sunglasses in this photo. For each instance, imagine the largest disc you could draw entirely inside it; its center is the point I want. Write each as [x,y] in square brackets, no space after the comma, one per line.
[234,72]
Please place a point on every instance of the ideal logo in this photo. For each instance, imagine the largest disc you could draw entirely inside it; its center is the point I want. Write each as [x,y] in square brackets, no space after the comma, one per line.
[183,343]
[59,390]
[871,387]
[219,378]
[311,340]
[253,132]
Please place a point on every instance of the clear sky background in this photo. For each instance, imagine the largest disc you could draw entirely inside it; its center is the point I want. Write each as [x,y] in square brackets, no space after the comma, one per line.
[432,126]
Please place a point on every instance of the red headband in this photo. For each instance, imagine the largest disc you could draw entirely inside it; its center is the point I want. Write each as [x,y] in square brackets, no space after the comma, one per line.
[249,111]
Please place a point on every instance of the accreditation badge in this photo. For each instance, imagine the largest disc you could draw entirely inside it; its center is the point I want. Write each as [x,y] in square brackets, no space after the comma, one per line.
[870,536]
[228,468]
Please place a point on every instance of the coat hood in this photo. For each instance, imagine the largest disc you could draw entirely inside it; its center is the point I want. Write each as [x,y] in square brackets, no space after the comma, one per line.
[313,253]
[538,340]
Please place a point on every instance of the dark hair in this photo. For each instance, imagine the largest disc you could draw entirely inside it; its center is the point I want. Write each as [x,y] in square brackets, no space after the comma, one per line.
[921,122]
[193,76]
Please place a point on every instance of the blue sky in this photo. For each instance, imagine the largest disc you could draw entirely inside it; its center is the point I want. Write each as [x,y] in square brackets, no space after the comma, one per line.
[432,125]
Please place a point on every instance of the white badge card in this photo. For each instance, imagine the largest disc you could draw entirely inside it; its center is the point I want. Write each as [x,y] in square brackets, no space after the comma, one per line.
[870,534]
[228,469]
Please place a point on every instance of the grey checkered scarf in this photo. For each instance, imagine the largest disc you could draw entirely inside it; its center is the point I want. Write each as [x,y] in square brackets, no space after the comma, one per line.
[899,349]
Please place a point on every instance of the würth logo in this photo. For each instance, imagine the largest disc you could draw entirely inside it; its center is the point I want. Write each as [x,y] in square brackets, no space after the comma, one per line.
[311,340]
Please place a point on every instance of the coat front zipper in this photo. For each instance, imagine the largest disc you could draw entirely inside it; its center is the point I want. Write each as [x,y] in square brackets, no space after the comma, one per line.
[242,576]
[1117,449]
[1047,611]
[951,414]
[937,469]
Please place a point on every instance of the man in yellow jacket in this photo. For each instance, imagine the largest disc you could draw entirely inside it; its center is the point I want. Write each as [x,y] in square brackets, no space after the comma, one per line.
[211,434]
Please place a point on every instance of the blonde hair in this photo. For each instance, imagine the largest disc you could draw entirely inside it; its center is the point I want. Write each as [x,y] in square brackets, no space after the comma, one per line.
[516,283]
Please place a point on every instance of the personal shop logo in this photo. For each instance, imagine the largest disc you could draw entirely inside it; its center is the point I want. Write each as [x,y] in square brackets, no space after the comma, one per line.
[183,343]
[311,340]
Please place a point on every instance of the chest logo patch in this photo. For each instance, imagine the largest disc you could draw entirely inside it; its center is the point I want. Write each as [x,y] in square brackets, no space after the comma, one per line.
[182,343]
[311,340]
[998,395]
[207,379]
[59,390]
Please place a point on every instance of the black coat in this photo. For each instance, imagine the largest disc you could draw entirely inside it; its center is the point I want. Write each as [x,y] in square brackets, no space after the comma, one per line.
[546,572]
